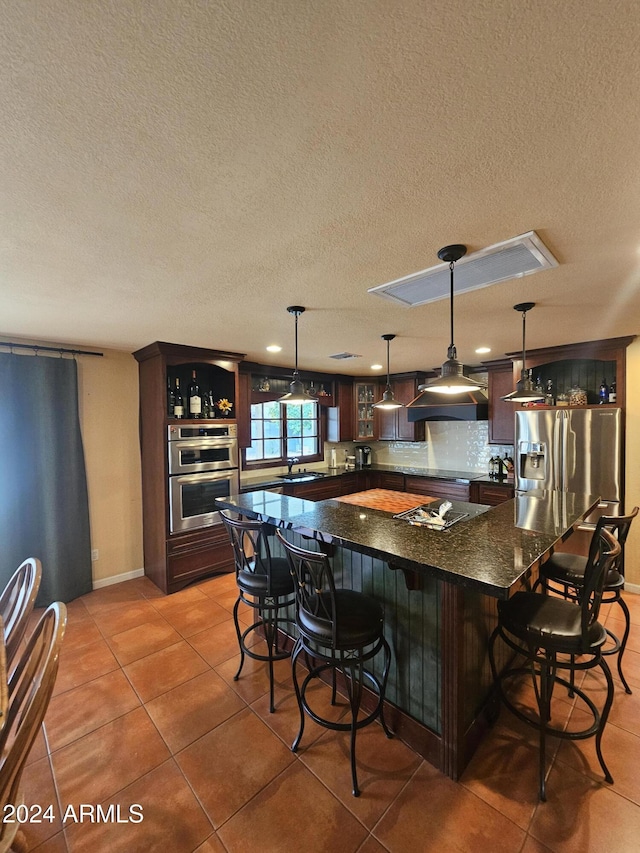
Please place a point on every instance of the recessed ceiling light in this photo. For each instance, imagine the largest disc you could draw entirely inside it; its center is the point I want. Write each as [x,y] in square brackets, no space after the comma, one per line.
[482,350]
[274,348]
[376,367]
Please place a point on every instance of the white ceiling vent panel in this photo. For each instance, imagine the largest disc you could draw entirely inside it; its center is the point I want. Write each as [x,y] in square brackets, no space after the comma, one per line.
[340,355]
[513,258]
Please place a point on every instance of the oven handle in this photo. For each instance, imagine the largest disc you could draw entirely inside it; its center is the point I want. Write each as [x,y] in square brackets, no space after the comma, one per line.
[206,475]
[205,443]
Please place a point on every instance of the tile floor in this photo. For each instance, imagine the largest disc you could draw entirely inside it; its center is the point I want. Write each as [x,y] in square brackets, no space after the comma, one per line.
[145,711]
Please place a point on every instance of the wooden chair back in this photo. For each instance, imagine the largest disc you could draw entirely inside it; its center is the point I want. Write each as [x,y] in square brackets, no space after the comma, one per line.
[16,605]
[30,687]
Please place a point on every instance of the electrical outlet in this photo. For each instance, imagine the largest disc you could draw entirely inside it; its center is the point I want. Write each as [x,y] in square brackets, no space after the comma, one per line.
[94,555]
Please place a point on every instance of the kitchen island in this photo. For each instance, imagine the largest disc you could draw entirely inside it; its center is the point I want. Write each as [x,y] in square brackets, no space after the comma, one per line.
[439,591]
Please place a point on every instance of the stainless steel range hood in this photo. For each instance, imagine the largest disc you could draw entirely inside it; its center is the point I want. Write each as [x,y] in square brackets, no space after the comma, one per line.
[468,406]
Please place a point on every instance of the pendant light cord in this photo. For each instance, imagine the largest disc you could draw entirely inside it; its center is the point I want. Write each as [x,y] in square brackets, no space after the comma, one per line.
[388,382]
[452,349]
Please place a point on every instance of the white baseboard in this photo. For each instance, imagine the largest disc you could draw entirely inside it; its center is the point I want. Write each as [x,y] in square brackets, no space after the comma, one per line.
[125,576]
[633,588]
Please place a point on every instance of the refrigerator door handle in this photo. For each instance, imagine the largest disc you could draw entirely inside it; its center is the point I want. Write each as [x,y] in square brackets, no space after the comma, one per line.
[558,458]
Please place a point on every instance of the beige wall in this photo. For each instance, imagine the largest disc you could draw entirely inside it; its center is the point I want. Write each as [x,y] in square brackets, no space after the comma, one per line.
[108,392]
[632,554]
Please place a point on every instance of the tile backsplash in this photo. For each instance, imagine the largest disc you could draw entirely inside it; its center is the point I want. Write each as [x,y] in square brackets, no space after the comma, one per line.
[452,445]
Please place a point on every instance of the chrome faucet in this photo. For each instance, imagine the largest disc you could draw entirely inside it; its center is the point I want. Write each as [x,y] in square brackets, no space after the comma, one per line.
[291,462]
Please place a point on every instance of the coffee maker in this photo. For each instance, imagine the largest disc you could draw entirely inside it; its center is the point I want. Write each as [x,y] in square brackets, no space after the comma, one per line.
[363,455]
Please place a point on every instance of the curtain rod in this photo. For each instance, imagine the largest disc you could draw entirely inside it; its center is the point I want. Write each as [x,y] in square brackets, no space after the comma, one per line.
[37,348]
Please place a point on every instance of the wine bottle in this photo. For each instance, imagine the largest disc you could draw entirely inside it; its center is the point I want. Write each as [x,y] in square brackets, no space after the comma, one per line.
[171,399]
[603,393]
[195,400]
[178,406]
[612,392]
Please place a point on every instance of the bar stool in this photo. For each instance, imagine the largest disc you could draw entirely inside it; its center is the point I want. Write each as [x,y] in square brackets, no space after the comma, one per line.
[567,570]
[550,633]
[266,586]
[339,630]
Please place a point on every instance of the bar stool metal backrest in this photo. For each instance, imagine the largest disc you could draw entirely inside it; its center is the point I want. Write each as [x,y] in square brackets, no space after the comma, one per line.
[266,586]
[568,571]
[339,631]
[553,635]
[16,605]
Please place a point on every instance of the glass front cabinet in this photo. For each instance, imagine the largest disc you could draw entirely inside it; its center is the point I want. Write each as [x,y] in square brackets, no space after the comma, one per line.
[365,396]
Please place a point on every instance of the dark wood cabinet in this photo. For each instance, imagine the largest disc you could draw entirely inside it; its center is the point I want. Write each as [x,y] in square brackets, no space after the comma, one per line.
[583,364]
[367,419]
[490,493]
[501,414]
[394,425]
[322,490]
[437,488]
[340,418]
[391,480]
[173,560]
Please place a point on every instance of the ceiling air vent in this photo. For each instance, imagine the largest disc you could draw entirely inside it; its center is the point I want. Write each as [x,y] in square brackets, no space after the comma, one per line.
[513,258]
[345,355]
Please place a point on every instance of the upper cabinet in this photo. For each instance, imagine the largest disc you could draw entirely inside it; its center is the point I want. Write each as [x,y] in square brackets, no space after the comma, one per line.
[501,414]
[394,425]
[365,394]
[572,374]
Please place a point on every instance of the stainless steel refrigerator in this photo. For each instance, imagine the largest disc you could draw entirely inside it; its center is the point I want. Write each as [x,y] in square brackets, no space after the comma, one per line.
[572,450]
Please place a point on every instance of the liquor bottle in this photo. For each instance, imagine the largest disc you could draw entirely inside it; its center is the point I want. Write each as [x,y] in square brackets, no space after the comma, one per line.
[206,407]
[603,393]
[612,392]
[178,406]
[171,399]
[549,399]
[195,400]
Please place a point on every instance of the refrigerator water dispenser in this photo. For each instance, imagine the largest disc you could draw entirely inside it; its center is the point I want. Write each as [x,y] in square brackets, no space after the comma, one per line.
[533,460]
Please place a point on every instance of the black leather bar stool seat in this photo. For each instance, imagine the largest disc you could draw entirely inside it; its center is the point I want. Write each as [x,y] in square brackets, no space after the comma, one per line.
[567,572]
[265,584]
[339,631]
[552,635]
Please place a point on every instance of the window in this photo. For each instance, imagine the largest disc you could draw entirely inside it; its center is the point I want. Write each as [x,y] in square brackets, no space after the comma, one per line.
[279,432]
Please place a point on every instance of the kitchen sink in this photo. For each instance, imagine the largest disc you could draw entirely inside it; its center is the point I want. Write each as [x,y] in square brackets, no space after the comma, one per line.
[301,476]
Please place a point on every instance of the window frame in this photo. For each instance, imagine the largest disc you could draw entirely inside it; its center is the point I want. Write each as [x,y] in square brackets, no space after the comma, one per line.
[250,465]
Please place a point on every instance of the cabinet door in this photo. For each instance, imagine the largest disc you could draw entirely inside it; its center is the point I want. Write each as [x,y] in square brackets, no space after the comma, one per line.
[366,421]
[387,480]
[405,390]
[437,488]
[502,416]
[394,425]
[492,494]
[340,417]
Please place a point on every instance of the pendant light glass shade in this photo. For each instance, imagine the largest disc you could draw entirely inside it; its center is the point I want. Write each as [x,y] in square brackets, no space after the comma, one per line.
[452,379]
[525,392]
[388,402]
[296,394]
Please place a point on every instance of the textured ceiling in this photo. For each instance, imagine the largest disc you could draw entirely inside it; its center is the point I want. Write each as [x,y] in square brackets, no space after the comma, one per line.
[182,171]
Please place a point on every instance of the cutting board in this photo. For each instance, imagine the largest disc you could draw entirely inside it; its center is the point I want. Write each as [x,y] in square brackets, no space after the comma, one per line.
[385,500]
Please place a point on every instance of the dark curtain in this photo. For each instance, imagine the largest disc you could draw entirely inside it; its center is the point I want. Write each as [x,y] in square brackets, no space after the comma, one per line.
[44,507]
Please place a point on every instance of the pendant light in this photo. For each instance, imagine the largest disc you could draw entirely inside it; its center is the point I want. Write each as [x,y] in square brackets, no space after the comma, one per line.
[452,379]
[296,394]
[387,403]
[525,392]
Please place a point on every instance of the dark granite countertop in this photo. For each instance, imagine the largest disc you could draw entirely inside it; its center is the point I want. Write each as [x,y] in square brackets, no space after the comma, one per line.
[490,551]
[270,481]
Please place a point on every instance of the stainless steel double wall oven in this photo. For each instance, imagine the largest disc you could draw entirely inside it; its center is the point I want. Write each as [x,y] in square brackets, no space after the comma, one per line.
[203,466]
